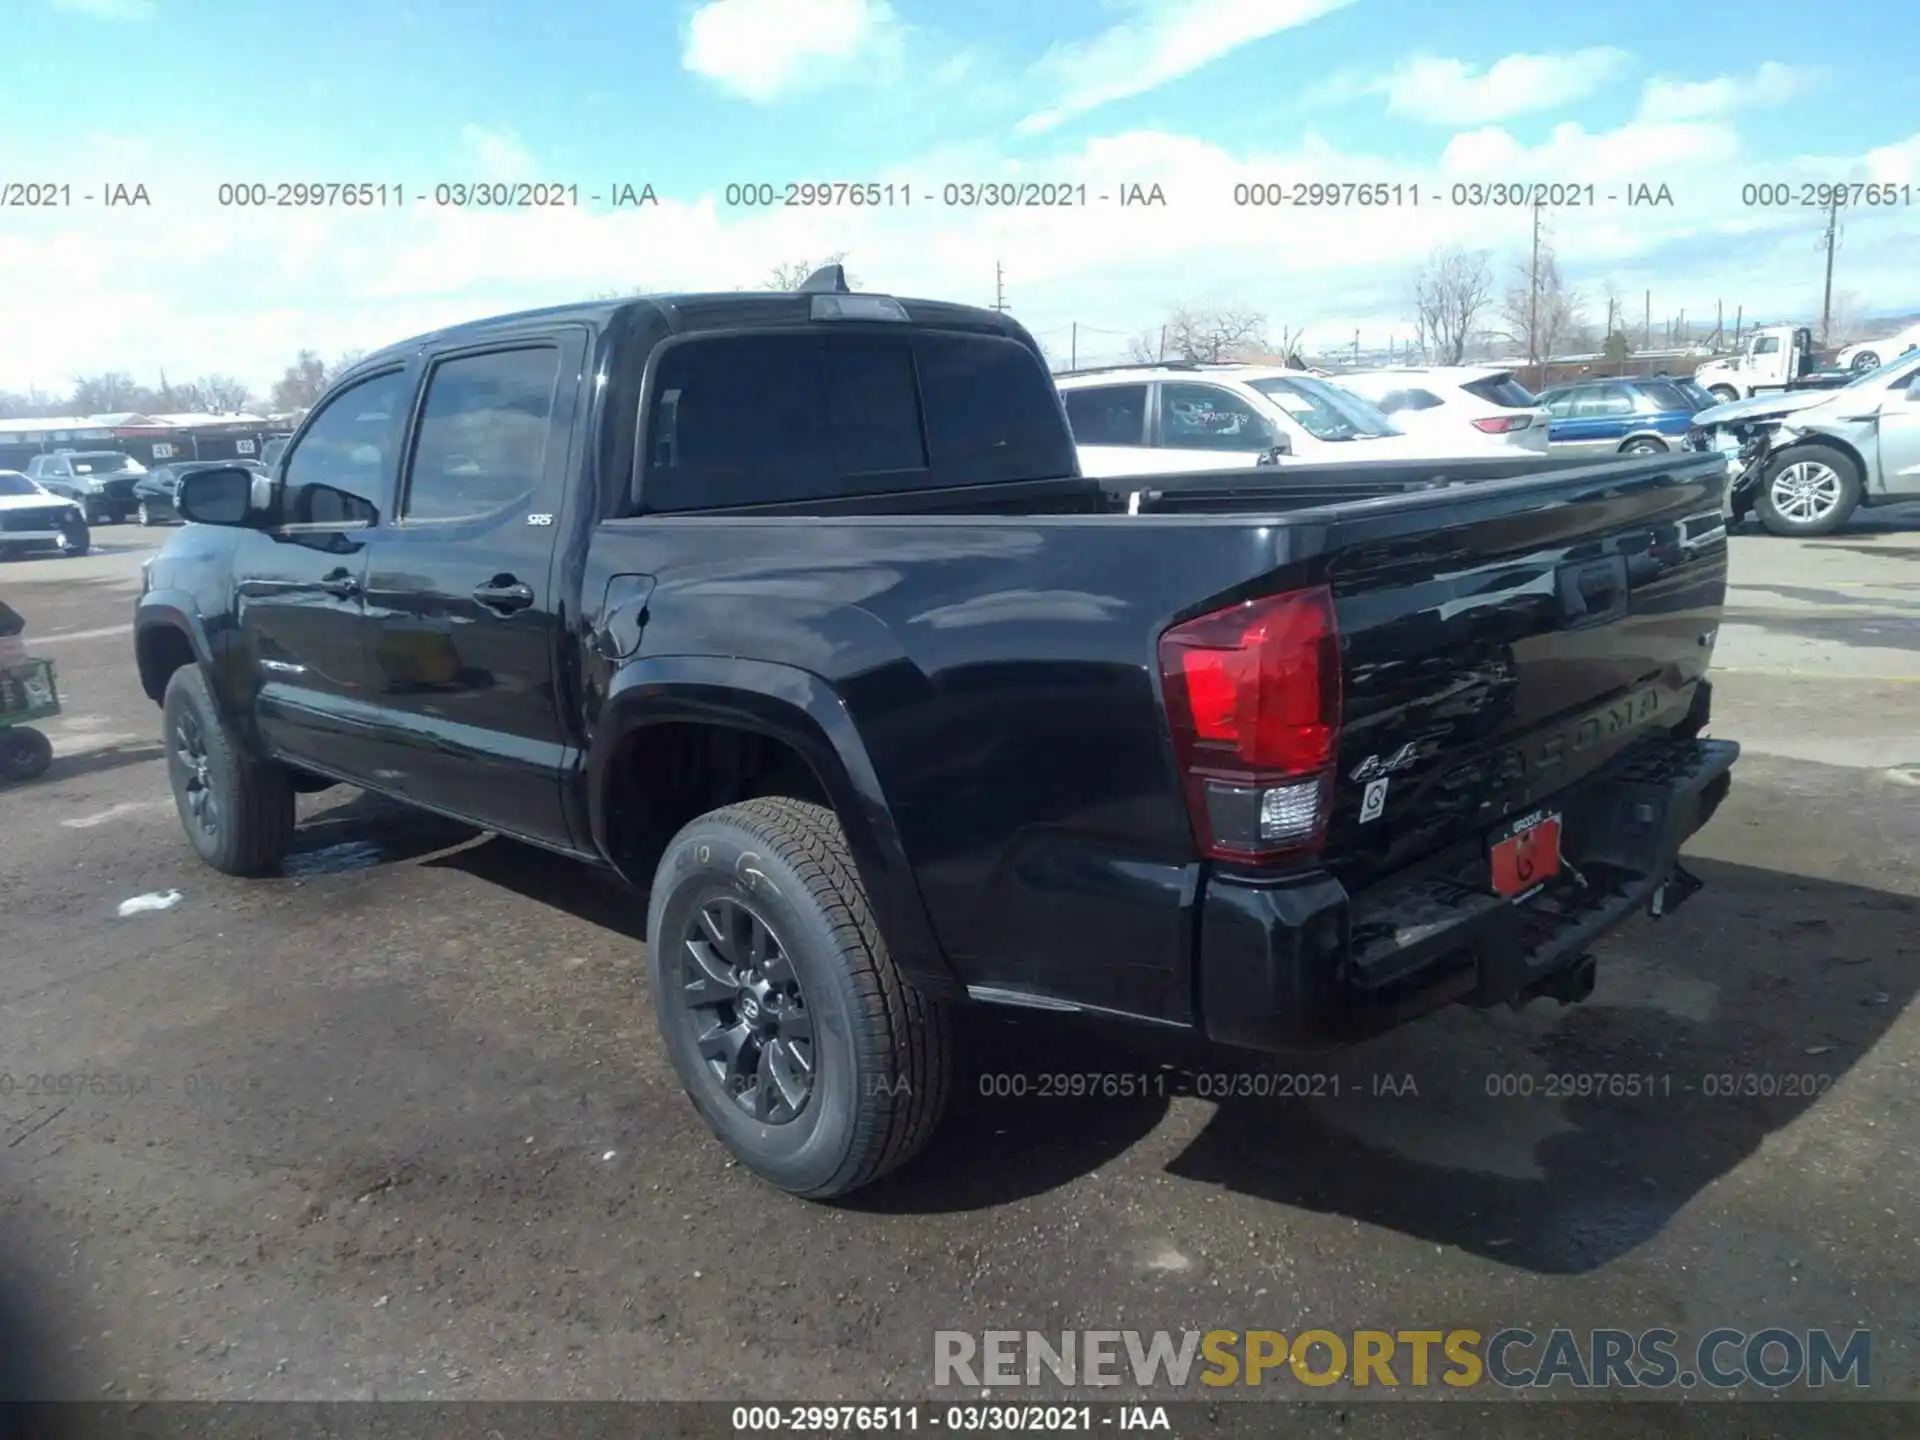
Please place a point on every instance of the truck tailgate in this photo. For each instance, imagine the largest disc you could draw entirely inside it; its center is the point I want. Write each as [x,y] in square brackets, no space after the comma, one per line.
[1492,662]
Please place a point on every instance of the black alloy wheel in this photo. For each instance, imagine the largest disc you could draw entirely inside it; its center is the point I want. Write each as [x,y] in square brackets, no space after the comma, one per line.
[749,1020]
[190,764]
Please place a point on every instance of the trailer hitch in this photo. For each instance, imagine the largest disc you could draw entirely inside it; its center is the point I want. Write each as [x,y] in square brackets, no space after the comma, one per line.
[1679,886]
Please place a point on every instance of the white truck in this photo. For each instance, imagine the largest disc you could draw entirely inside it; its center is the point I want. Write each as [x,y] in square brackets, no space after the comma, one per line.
[1775,357]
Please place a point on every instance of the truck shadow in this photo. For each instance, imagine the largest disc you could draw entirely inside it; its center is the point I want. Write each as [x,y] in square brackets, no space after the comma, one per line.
[1553,1139]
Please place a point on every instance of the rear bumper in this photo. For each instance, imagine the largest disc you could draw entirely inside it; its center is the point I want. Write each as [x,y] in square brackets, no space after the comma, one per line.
[1301,964]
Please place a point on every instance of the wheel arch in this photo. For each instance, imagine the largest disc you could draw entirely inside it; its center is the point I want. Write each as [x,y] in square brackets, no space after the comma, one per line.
[168,633]
[1822,442]
[724,730]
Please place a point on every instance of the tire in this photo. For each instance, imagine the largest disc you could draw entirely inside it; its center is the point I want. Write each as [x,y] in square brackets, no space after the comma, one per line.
[1646,445]
[75,539]
[877,1054]
[248,824]
[144,515]
[25,753]
[1866,360]
[1818,487]
[1725,394]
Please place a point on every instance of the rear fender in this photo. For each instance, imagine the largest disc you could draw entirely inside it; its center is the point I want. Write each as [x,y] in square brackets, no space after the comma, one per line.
[801,710]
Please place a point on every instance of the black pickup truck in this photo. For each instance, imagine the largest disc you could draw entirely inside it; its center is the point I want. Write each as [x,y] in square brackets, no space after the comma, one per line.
[794,610]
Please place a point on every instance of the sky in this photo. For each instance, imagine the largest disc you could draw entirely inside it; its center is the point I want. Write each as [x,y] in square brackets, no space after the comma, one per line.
[1199,98]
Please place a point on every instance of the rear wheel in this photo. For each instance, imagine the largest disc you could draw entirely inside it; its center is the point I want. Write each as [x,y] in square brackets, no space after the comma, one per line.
[1809,492]
[800,1043]
[1644,446]
[24,753]
[1725,394]
[75,538]
[1864,361]
[237,810]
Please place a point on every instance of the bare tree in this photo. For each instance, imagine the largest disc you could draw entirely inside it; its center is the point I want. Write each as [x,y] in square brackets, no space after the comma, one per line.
[1450,290]
[788,277]
[1211,336]
[1144,348]
[222,394]
[300,385]
[1540,309]
[616,292]
[104,394]
[344,362]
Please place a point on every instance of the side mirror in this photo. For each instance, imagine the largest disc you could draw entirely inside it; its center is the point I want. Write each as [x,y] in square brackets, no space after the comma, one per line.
[1278,451]
[227,496]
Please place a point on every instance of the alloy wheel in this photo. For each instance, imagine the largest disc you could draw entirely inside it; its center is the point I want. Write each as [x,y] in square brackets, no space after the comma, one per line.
[187,755]
[1805,492]
[750,1022]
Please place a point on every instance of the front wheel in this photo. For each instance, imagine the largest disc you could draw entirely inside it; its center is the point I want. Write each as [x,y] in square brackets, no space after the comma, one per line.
[798,1040]
[25,753]
[144,514]
[1809,492]
[237,810]
[1644,447]
[75,538]
[1725,394]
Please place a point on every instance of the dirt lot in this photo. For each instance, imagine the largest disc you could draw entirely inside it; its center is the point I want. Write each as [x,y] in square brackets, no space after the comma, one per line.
[397,1124]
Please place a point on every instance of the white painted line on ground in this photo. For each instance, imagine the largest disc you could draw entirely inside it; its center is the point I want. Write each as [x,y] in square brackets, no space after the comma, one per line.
[104,633]
[129,807]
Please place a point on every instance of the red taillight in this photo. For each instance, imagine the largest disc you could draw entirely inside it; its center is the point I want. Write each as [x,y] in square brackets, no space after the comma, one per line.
[1253,698]
[1501,424]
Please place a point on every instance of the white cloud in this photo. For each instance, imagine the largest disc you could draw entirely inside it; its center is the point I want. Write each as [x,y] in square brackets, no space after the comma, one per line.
[1165,40]
[763,49]
[1772,84]
[110,9]
[1450,92]
[498,153]
[195,288]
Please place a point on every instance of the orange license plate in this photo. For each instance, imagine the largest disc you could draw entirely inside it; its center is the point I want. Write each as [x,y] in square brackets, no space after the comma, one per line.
[1525,853]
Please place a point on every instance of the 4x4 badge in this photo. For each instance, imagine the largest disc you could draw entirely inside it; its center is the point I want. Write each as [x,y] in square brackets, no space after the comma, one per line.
[1374,766]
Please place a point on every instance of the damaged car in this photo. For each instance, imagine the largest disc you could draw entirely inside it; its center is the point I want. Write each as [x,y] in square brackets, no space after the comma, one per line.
[1805,460]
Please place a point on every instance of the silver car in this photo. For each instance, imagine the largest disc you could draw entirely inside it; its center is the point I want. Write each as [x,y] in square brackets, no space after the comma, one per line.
[1806,459]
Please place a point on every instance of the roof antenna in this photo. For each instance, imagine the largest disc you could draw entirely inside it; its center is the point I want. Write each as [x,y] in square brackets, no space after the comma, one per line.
[827,280]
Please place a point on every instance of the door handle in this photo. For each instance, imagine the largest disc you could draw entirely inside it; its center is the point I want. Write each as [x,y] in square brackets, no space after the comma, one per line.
[504,594]
[340,584]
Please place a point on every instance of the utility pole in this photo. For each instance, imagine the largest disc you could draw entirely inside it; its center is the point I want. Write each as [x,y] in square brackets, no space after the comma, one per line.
[1739,317]
[1356,345]
[1719,323]
[1646,323]
[1533,299]
[1163,342]
[1073,355]
[999,288]
[1833,236]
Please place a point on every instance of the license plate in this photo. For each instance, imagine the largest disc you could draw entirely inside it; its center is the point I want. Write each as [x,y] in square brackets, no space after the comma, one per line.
[1525,853]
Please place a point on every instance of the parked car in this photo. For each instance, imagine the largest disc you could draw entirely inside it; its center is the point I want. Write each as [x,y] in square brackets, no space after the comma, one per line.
[999,735]
[32,516]
[154,491]
[1806,460]
[1872,354]
[1147,419]
[1440,400]
[1624,416]
[1689,387]
[99,481]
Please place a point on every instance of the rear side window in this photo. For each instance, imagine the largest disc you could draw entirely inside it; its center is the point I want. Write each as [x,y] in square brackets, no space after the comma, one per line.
[482,441]
[1108,414]
[1664,397]
[771,418]
[1410,399]
[1501,390]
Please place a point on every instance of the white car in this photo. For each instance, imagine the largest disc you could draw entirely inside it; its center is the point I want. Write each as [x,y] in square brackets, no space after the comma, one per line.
[31,515]
[1142,420]
[1444,400]
[1872,354]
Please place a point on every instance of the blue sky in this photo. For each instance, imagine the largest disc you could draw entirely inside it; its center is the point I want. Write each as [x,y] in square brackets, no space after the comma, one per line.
[1191,94]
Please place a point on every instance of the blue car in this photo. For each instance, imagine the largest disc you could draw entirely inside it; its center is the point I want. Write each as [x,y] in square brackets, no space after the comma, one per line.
[1620,416]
